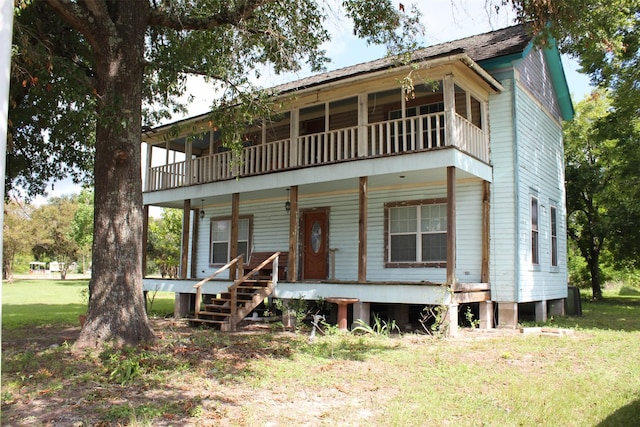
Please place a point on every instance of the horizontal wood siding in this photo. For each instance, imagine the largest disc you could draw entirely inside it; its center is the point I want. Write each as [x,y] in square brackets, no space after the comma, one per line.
[469,234]
[541,173]
[271,228]
[503,192]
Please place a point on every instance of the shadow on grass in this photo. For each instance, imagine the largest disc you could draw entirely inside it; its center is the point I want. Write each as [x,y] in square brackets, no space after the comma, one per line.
[625,416]
[121,385]
[31,315]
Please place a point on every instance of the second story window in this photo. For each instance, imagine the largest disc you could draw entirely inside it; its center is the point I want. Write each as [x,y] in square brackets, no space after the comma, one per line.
[554,236]
[535,260]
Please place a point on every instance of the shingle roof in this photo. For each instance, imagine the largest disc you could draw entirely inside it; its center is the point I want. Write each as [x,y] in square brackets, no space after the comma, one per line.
[494,44]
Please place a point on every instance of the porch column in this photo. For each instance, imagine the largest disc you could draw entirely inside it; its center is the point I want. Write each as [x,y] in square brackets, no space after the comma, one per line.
[194,243]
[363,121]
[145,238]
[294,133]
[486,314]
[292,265]
[448,94]
[362,229]
[184,251]
[486,228]
[451,225]
[508,315]
[235,213]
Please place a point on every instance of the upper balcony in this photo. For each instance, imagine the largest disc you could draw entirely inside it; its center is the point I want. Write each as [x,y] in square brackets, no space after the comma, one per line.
[442,114]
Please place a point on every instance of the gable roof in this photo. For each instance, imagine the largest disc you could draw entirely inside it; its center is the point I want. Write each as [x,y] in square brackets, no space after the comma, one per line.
[490,50]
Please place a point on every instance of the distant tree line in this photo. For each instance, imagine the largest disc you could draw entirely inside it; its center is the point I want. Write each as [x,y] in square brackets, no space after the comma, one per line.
[61,230]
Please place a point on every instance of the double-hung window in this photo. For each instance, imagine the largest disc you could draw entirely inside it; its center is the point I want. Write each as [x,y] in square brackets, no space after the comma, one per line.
[535,244]
[220,250]
[554,236]
[416,233]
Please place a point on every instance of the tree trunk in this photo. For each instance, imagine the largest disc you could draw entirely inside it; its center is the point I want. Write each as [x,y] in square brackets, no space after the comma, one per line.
[594,269]
[116,304]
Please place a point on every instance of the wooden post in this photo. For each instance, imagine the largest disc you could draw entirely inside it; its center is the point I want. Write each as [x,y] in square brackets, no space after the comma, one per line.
[194,243]
[292,264]
[486,228]
[294,133]
[449,98]
[363,121]
[145,238]
[451,225]
[148,173]
[186,224]
[188,159]
[362,229]
[235,214]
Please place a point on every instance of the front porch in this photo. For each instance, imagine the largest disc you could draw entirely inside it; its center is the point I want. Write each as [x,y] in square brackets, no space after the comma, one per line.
[397,295]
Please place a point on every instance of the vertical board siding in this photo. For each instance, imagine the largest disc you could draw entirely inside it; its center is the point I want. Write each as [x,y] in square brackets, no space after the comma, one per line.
[502,255]
[534,75]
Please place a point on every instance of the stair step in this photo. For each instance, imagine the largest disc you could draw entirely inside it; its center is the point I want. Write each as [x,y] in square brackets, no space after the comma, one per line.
[208,311]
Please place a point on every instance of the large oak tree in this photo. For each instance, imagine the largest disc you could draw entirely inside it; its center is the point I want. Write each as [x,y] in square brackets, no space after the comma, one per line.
[114,57]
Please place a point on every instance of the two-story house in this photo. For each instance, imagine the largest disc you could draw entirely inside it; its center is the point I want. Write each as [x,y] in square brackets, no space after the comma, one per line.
[449,194]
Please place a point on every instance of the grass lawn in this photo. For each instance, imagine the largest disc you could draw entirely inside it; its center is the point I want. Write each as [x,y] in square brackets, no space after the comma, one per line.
[40,302]
[587,376]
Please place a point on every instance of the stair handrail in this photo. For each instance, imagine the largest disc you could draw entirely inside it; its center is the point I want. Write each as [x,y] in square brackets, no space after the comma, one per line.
[237,261]
[233,289]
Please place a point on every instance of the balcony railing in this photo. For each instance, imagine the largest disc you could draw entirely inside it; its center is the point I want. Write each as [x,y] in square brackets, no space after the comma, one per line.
[412,134]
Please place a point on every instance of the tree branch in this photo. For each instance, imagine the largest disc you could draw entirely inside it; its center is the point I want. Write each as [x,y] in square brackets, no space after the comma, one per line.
[85,16]
[242,11]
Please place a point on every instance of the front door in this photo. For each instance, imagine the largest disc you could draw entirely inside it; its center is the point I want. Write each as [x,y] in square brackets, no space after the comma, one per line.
[315,238]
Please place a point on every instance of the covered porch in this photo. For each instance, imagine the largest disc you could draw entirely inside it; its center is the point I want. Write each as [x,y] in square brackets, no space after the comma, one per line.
[290,204]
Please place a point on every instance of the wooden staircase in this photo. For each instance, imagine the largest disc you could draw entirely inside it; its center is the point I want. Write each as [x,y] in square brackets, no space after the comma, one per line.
[227,309]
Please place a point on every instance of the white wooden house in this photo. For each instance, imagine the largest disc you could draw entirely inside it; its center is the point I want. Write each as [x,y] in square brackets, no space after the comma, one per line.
[450,195]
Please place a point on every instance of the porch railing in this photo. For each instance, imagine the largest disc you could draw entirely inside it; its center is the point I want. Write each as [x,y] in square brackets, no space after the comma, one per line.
[411,134]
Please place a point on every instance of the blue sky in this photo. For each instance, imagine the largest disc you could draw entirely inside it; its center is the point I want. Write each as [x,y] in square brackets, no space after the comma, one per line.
[444,20]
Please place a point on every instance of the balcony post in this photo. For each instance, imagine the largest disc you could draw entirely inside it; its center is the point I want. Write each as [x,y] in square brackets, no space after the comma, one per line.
[188,150]
[448,94]
[294,132]
[363,121]
[148,173]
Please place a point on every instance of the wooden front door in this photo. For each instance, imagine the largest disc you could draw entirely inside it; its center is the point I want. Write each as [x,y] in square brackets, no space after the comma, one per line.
[315,238]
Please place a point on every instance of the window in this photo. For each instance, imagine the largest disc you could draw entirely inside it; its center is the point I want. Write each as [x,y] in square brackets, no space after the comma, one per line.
[416,233]
[220,251]
[534,231]
[554,236]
